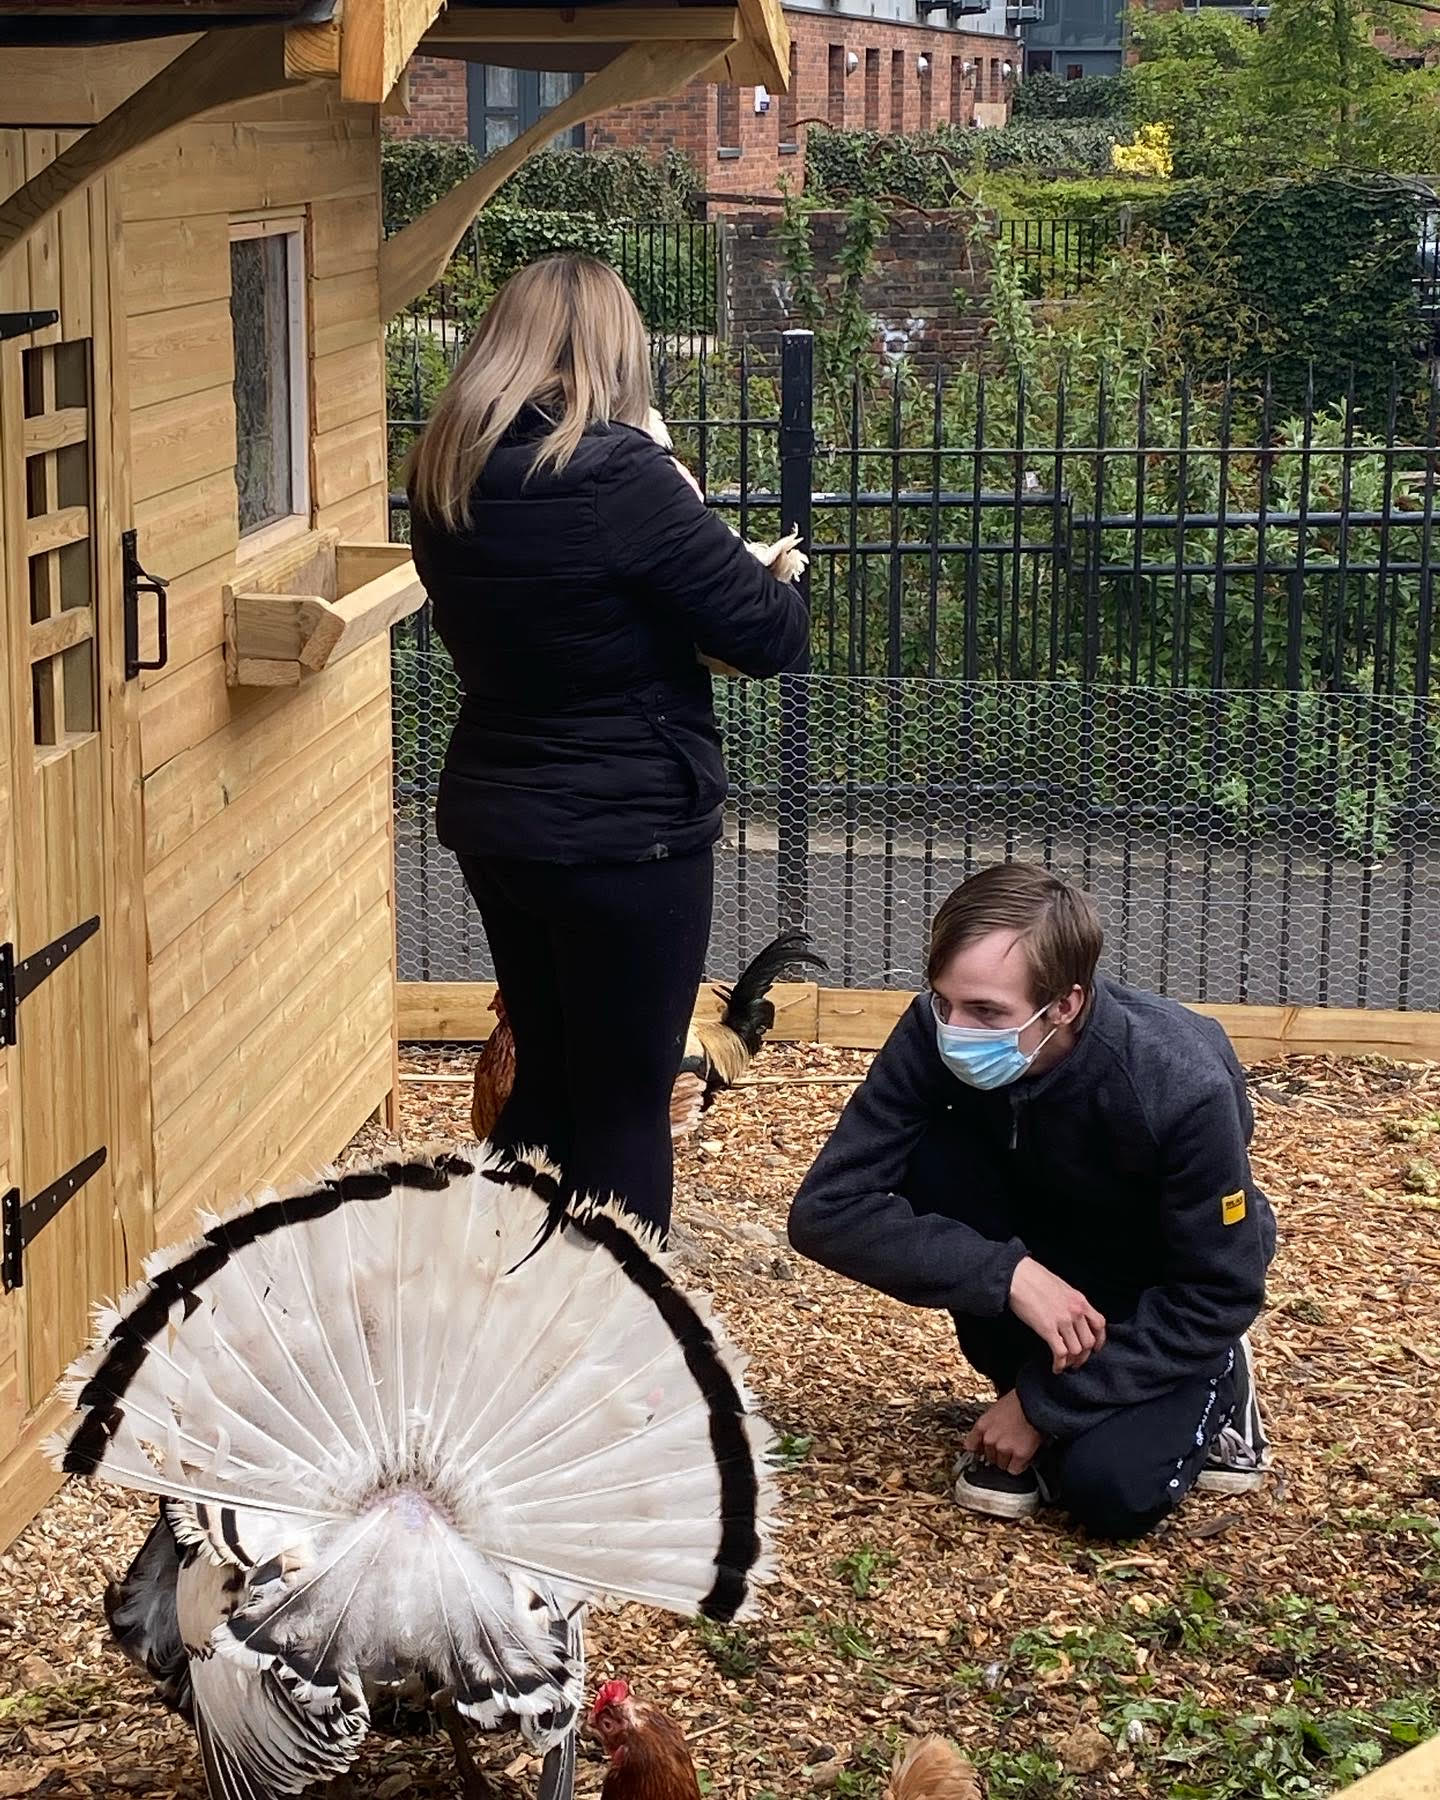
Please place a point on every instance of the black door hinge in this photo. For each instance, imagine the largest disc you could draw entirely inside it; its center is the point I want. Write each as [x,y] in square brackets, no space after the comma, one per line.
[136,582]
[20,979]
[20,1225]
[21,324]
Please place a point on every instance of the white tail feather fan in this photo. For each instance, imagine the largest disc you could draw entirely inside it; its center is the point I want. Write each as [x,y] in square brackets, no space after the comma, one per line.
[394,1441]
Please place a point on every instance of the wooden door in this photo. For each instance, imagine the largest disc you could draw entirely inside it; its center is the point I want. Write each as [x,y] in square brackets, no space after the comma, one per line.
[76,1215]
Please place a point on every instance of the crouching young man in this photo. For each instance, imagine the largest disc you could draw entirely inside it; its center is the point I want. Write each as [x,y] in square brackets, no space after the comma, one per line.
[1061,1162]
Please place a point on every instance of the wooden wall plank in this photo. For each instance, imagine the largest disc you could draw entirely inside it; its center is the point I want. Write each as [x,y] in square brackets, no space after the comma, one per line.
[251,911]
[182,350]
[258,987]
[276,733]
[348,385]
[344,312]
[172,263]
[348,462]
[184,885]
[197,618]
[184,709]
[235,166]
[340,1085]
[181,441]
[189,526]
[26,1479]
[345,236]
[354,972]
[363,517]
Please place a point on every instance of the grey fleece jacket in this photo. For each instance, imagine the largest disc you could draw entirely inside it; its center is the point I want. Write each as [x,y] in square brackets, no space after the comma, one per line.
[1124,1169]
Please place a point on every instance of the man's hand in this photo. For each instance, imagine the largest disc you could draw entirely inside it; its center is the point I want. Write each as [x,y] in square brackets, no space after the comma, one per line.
[1056,1312]
[1004,1436]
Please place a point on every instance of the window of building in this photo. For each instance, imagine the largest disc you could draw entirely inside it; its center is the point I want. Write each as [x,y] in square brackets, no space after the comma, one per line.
[835,98]
[1040,62]
[872,90]
[727,119]
[272,407]
[505,102]
[1074,71]
[790,109]
[897,90]
[927,94]
[997,86]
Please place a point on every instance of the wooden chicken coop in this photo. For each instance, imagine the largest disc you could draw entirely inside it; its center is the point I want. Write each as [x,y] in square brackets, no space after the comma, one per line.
[196,922]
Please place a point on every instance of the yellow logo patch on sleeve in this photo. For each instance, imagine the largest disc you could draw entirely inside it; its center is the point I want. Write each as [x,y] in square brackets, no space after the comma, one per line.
[1232,1207]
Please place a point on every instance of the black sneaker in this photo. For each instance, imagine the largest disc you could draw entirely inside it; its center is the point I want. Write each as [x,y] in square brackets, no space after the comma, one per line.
[982,1488]
[1240,1455]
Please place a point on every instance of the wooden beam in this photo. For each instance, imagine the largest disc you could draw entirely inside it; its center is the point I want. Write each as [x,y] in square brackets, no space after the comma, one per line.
[312,52]
[218,69]
[1413,1776]
[377,40]
[862,1019]
[767,38]
[489,27]
[415,258]
[64,85]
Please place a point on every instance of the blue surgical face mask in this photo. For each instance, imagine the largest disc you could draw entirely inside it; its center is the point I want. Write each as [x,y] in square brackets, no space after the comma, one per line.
[985,1058]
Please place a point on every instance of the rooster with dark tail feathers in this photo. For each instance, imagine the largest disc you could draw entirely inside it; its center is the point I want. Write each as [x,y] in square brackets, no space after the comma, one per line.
[716,1054]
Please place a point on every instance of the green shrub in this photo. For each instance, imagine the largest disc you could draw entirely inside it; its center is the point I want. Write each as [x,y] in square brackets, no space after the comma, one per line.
[600,184]
[1046,96]
[932,169]
[1297,279]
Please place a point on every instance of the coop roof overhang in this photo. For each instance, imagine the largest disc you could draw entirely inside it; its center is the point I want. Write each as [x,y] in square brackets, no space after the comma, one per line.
[78,23]
[631,53]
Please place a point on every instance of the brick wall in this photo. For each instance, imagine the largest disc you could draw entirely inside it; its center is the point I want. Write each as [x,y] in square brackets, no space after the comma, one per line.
[885,90]
[439,106]
[921,264]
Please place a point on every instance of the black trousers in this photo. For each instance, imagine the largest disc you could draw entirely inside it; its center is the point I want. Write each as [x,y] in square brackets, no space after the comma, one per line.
[1120,1478]
[598,965]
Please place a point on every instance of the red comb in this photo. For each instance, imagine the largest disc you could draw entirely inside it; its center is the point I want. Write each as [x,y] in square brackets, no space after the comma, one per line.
[611,1694]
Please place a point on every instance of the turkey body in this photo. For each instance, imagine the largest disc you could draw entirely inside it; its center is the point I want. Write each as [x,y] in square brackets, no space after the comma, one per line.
[399,1455]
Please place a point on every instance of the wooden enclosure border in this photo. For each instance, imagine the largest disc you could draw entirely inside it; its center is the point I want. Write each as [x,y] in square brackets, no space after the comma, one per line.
[861,1019]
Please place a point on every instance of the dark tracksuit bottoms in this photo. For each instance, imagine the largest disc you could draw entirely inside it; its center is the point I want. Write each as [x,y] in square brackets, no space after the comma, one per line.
[599,964]
[1122,1476]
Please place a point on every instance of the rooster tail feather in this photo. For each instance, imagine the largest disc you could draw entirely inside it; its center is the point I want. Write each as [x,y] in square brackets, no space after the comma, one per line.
[418,1443]
[745,1003]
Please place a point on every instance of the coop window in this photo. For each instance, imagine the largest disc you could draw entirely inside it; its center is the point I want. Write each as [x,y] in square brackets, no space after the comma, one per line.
[267,314]
[58,439]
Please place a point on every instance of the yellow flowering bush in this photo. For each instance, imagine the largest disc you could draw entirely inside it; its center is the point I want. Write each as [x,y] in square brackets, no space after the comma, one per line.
[1152,153]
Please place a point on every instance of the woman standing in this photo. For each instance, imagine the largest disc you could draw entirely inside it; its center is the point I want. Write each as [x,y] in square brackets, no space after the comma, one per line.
[574,573]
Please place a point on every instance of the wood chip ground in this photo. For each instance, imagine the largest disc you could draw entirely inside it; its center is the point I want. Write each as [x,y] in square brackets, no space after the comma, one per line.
[1178,1666]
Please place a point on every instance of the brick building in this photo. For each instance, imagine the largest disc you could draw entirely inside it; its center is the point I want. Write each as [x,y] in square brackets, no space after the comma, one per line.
[871,64]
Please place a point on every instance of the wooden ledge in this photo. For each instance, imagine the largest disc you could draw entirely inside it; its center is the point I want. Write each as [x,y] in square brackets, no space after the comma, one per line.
[310,604]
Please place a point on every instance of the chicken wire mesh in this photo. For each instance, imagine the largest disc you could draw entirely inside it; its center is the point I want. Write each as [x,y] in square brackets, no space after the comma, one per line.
[1260,846]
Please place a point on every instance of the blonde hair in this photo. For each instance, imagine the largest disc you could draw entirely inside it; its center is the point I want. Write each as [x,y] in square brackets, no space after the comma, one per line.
[563,335]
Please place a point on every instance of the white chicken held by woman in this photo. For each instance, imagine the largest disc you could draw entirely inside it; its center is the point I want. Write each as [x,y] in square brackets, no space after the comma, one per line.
[785,560]
[404,1434]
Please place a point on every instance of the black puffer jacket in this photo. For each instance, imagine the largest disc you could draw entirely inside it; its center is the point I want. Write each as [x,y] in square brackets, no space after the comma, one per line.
[573,610]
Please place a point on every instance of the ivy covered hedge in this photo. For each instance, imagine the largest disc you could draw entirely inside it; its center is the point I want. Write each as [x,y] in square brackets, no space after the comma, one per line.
[933,168]
[603,184]
[1297,279]
[1046,96]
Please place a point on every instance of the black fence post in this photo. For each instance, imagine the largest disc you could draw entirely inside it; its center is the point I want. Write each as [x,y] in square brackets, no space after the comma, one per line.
[797,460]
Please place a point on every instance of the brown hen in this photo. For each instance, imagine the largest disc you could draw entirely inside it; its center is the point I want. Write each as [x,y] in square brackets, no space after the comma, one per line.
[650,1760]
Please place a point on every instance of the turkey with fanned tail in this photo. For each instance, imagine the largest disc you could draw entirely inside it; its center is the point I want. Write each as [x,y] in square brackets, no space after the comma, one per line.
[400,1448]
